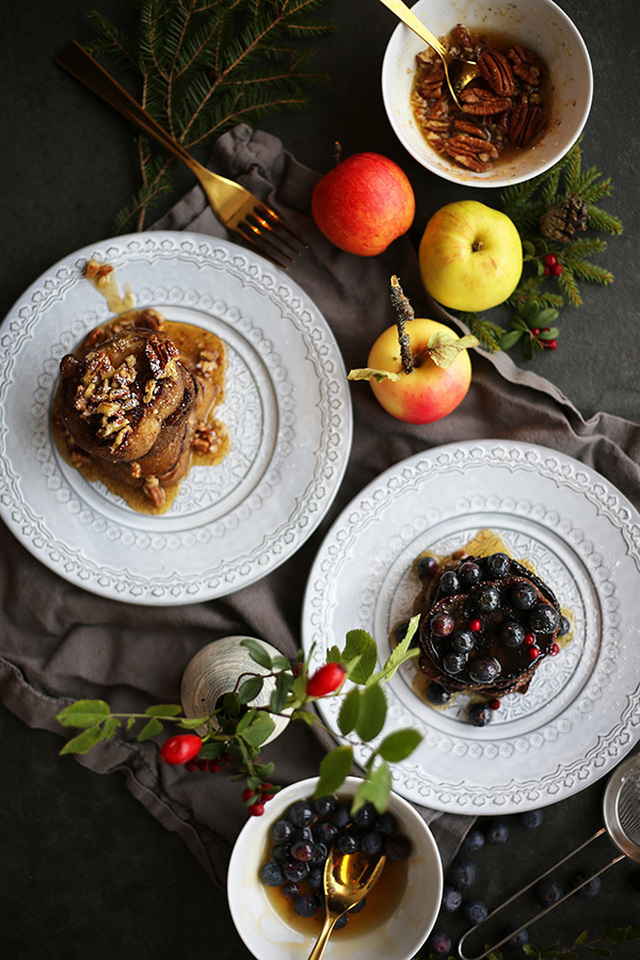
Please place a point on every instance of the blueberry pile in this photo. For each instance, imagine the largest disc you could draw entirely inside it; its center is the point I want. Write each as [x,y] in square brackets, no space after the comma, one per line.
[486,623]
[300,842]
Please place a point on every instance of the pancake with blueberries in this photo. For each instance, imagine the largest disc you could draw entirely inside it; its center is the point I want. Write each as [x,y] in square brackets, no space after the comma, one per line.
[486,624]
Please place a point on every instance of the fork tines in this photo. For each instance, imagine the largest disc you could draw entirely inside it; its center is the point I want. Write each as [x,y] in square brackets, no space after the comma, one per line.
[271,237]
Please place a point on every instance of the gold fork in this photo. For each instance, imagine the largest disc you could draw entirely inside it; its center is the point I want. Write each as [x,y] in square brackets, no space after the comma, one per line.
[234,206]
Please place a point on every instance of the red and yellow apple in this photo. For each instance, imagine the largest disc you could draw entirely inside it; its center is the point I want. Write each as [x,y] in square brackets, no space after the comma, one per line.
[470,256]
[430,391]
[363,204]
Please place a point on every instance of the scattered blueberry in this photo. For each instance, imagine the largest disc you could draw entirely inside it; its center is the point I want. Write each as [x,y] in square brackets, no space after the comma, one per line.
[324,805]
[530,819]
[439,943]
[282,830]
[548,891]
[320,853]
[281,852]
[462,874]
[301,813]
[341,922]
[449,583]
[512,633]
[496,832]
[544,618]
[295,870]
[290,890]
[359,906]
[271,874]
[386,824]
[469,573]
[397,848]
[519,938]
[475,912]
[484,669]
[371,843]
[306,904]
[302,850]
[325,832]
[451,899]
[453,662]
[497,565]
[523,596]
[587,888]
[442,624]
[437,695]
[480,714]
[347,842]
[564,627]
[340,816]
[427,566]
[315,878]
[474,840]
[463,641]
[365,816]
[487,598]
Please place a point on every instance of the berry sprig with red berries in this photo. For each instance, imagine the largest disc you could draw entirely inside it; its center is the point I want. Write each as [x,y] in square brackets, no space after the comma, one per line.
[228,741]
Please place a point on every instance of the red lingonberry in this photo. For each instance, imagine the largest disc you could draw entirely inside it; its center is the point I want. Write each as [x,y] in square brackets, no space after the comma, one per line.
[535,331]
[546,271]
[495,704]
[475,626]
[325,680]
[549,260]
[203,764]
[551,344]
[215,766]
[554,650]
[533,652]
[248,795]
[191,766]
[256,809]
[180,748]
[556,269]
[529,639]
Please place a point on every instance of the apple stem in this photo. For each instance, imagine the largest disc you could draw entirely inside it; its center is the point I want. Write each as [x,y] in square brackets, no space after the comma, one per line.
[404,311]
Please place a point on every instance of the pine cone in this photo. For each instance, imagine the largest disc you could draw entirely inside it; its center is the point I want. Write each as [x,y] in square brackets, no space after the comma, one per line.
[561,222]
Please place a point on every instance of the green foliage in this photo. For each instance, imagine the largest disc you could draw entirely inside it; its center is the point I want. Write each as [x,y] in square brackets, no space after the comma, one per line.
[202,66]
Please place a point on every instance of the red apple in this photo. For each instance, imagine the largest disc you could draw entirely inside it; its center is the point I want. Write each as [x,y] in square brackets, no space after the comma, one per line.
[363,204]
[430,391]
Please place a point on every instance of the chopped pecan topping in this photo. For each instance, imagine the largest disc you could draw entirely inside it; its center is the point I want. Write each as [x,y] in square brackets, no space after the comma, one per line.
[496,70]
[91,268]
[482,103]
[526,64]
[149,391]
[162,355]
[524,123]
[154,491]
[135,469]
[206,440]
[149,318]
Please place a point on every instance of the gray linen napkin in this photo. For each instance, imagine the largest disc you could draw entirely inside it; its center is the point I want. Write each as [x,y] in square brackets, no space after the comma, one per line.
[59,643]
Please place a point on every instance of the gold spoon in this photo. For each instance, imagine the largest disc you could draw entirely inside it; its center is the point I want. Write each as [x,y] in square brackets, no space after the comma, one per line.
[458,73]
[347,879]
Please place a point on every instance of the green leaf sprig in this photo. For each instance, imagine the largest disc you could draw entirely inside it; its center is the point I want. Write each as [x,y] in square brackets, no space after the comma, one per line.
[236,730]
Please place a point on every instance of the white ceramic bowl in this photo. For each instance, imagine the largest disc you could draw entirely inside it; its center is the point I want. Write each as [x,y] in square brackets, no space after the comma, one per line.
[269,937]
[538,24]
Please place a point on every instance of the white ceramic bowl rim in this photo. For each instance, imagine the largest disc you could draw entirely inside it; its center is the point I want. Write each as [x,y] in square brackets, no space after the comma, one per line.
[540,24]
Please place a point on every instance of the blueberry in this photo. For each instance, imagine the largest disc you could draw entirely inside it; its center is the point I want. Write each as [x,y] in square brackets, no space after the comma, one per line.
[484,670]
[530,819]
[427,566]
[523,596]
[475,912]
[512,633]
[365,816]
[302,850]
[442,625]
[306,904]
[282,851]
[564,627]
[497,565]
[360,905]
[496,832]
[301,813]
[469,573]
[386,824]
[324,805]
[587,888]
[341,922]
[271,874]
[453,662]
[371,843]
[487,598]
[325,832]
[439,943]
[347,842]
[397,848]
[340,816]
[548,891]
[449,583]
[290,890]
[480,714]
[519,939]
[315,878]
[474,840]
[462,874]
[462,641]
[282,830]
[295,870]
[544,618]
[437,695]
[451,899]
[320,853]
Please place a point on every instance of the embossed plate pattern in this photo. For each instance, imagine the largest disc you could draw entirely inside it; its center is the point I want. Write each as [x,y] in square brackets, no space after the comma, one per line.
[581,714]
[287,406]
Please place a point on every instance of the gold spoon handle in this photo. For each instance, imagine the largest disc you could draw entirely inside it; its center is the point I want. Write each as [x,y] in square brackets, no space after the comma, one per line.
[404,13]
[325,933]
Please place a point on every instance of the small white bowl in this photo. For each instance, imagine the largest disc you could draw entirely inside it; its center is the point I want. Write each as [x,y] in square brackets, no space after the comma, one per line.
[538,24]
[269,937]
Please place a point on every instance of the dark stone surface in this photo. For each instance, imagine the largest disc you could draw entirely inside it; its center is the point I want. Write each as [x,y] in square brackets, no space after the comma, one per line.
[85,870]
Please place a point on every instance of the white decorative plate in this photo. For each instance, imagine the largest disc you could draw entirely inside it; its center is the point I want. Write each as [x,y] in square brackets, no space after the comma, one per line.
[287,407]
[582,712]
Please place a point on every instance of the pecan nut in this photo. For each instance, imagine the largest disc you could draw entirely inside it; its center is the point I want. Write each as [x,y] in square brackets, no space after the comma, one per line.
[496,71]
[472,152]
[524,122]
[526,64]
[480,102]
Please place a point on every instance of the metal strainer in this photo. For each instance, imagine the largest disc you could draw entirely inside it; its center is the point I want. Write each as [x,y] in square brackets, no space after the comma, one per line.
[621,808]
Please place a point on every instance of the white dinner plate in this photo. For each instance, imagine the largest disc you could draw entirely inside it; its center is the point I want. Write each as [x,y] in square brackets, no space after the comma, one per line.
[581,714]
[287,407]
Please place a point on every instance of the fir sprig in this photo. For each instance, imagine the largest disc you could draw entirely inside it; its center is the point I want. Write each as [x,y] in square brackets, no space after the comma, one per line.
[202,66]
[535,307]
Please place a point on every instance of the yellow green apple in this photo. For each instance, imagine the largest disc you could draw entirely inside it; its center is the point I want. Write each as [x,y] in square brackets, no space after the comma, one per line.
[363,204]
[470,256]
[440,377]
